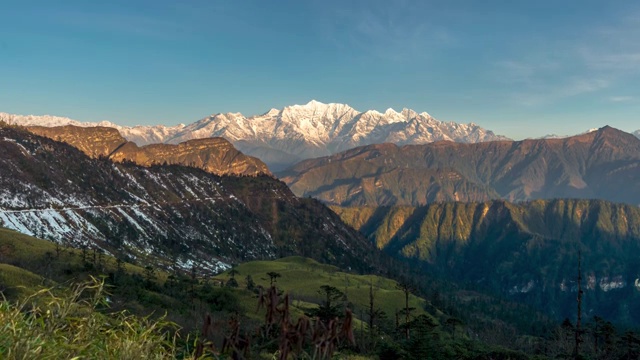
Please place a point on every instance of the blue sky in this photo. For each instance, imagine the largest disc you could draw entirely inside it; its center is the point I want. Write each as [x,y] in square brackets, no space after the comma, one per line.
[520,68]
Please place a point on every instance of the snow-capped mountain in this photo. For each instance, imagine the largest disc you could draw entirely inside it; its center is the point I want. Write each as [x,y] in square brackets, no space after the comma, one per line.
[637,133]
[283,137]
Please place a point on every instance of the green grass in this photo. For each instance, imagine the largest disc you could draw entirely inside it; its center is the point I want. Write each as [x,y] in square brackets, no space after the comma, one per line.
[47,326]
[17,281]
[14,245]
[28,264]
[28,256]
[302,278]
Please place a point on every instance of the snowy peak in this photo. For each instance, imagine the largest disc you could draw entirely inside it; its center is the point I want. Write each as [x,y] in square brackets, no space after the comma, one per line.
[319,114]
[272,112]
[315,105]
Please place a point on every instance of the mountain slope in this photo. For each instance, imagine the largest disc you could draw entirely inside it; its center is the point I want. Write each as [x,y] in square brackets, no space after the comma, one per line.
[601,164]
[167,214]
[637,133]
[214,155]
[282,137]
[526,251]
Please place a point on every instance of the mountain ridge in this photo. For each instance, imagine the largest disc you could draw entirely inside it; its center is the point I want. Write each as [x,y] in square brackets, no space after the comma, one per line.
[602,164]
[281,137]
[215,155]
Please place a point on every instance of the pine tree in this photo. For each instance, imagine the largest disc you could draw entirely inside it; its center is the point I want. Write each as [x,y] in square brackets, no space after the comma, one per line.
[273,276]
[328,310]
[578,330]
[406,289]
[250,283]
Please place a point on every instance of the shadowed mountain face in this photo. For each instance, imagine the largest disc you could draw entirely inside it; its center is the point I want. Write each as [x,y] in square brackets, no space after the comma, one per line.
[527,251]
[214,155]
[602,164]
[163,214]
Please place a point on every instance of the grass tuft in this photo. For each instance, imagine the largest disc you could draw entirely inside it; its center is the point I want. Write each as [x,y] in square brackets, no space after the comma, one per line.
[46,325]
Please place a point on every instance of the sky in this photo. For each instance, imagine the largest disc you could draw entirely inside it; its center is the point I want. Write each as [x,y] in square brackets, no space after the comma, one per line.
[520,68]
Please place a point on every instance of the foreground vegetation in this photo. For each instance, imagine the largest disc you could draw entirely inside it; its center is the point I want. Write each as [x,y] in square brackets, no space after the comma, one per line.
[78,303]
[72,326]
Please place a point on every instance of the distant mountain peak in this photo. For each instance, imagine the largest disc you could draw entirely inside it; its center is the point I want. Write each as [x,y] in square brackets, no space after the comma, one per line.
[272,112]
[314,102]
[608,130]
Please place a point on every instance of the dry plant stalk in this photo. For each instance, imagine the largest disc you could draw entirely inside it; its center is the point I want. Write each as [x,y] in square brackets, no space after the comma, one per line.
[324,338]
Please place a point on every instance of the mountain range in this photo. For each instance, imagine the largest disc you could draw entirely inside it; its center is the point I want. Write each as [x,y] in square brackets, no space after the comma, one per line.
[282,137]
[603,164]
[527,251]
[163,214]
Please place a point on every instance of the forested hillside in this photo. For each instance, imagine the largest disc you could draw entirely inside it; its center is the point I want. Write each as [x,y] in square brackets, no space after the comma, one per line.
[527,251]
